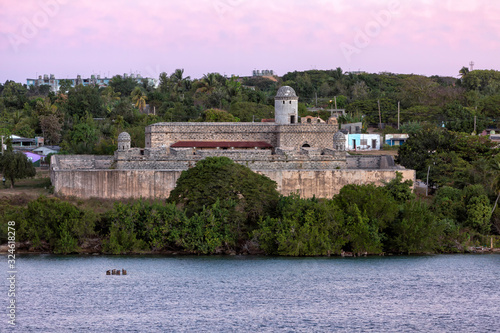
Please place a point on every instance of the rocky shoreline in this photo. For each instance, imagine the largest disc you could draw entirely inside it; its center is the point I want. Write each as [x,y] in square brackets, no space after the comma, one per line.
[93,246]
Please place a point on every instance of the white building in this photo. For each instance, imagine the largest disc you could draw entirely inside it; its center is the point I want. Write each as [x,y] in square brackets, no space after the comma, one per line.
[46,150]
[363,142]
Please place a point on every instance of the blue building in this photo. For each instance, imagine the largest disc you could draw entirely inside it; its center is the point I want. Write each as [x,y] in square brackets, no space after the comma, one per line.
[94,80]
[396,139]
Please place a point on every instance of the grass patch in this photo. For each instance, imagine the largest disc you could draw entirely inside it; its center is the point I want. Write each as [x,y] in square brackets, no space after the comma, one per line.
[30,183]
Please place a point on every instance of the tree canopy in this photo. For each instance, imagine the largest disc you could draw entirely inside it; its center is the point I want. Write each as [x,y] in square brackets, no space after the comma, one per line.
[246,194]
[15,165]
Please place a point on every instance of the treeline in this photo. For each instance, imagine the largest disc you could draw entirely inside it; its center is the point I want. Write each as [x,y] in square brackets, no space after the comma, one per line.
[219,207]
[87,119]
[443,101]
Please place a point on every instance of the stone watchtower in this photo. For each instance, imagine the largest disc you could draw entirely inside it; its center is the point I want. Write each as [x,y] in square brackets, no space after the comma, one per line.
[286,106]
[339,141]
[123,141]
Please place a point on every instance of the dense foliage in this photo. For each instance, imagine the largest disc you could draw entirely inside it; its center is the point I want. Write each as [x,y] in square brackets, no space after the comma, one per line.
[15,165]
[245,192]
[96,115]
[215,209]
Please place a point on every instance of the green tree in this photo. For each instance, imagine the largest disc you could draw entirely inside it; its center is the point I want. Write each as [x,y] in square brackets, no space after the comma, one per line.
[302,227]
[461,119]
[479,214]
[415,231]
[51,126]
[217,115]
[373,201]
[399,190]
[65,85]
[463,71]
[361,235]
[15,165]
[490,107]
[139,98]
[179,83]
[247,195]
[83,137]
[123,85]
[447,203]
[52,224]
[494,166]
[83,99]
[249,111]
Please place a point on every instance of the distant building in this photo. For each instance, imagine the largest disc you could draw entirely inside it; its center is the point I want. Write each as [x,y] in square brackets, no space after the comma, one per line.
[363,141]
[356,72]
[264,72]
[46,150]
[396,139]
[311,120]
[94,80]
[33,158]
[352,128]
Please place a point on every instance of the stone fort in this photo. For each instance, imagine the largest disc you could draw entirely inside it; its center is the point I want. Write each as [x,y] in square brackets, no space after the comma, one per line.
[308,157]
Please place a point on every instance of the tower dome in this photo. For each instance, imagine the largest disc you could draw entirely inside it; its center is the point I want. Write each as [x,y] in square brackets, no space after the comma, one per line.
[339,141]
[286,106]
[285,91]
[123,141]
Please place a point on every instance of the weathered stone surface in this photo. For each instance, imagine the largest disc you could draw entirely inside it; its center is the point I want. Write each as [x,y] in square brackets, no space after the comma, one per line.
[289,135]
[115,184]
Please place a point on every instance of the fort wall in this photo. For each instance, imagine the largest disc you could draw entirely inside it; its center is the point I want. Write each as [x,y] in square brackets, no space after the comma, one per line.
[291,135]
[73,176]
[116,184]
[165,134]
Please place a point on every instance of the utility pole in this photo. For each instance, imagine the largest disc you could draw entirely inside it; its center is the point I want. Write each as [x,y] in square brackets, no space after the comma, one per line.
[427,184]
[335,98]
[398,114]
[379,115]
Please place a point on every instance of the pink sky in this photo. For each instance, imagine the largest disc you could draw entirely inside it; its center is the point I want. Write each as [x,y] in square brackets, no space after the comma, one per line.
[70,37]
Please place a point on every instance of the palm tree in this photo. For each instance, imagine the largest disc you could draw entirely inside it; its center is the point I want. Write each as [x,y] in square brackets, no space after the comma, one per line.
[338,74]
[179,82]
[463,71]
[109,95]
[139,98]
[233,87]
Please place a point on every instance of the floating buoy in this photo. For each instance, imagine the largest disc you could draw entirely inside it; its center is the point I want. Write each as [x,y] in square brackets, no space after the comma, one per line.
[116,272]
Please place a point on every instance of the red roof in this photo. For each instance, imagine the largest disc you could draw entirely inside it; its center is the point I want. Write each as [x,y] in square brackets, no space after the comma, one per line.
[269,120]
[221,144]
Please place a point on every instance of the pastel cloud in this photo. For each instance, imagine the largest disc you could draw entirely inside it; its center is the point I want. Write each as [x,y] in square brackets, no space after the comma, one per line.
[235,36]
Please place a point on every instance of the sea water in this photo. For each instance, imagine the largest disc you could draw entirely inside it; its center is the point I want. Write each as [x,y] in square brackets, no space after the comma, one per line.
[441,293]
